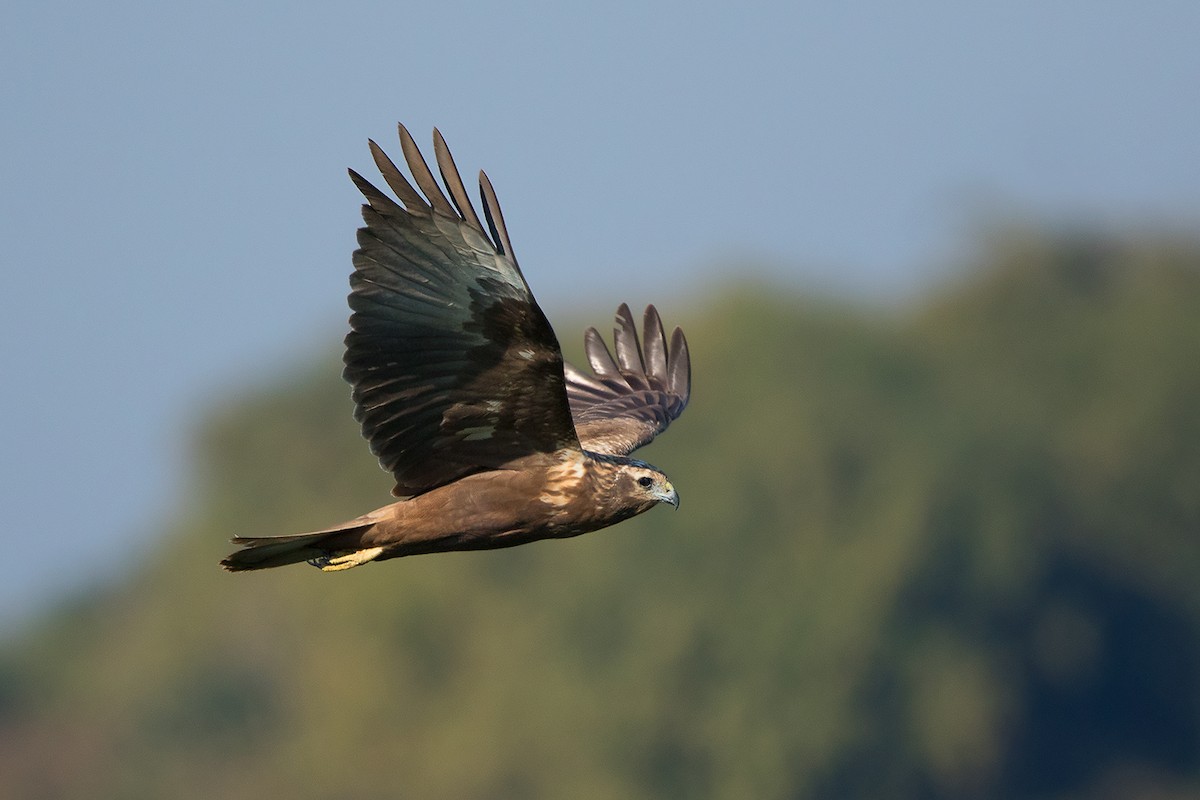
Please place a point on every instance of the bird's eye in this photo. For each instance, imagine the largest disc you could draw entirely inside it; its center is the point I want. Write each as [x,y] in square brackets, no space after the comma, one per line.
[645,481]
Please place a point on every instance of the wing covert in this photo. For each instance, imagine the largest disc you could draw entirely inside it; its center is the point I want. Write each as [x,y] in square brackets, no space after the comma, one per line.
[454,367]
[630,399]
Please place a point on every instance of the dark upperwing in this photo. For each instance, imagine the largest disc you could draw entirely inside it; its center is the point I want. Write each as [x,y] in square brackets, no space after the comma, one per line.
[454,367]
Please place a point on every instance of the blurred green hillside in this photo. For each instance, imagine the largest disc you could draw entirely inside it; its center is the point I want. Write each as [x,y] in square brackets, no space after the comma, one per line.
[948,551]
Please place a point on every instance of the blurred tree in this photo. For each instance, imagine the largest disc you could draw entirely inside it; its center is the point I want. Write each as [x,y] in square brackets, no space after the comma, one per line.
[940,553]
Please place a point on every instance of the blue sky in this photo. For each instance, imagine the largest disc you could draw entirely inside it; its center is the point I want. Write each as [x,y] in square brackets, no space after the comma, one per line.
[176,223]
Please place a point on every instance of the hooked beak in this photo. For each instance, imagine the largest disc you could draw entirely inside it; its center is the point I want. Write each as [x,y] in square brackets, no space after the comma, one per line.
[668,495]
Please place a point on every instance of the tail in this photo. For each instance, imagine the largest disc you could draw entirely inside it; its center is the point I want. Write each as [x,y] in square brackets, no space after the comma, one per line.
[331,549]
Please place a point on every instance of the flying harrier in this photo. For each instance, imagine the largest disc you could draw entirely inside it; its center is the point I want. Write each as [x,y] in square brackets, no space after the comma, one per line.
[463,394]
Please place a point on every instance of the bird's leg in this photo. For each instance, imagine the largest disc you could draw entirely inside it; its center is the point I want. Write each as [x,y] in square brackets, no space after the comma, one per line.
[345,559]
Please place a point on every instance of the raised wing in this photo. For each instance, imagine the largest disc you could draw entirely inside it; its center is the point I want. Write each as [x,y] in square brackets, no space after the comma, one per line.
[631,400]
[455,369]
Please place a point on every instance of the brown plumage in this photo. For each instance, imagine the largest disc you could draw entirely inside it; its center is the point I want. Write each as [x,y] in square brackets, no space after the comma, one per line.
[463,395]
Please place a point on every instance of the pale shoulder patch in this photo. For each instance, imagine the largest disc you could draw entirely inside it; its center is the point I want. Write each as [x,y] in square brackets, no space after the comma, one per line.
[564,481]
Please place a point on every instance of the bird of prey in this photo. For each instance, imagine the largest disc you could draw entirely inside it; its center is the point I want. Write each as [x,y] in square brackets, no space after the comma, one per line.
[463,395]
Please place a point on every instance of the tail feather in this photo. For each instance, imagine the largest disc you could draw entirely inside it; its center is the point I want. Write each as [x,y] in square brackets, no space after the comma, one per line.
[263,552]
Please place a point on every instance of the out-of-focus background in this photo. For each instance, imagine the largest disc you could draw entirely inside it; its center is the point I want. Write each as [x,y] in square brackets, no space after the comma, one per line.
[940,531]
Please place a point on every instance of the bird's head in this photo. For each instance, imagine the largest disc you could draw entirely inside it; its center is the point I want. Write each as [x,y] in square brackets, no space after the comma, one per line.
[646,485]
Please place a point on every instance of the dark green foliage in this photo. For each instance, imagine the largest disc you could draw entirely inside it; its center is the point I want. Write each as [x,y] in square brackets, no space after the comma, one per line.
[951,552]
